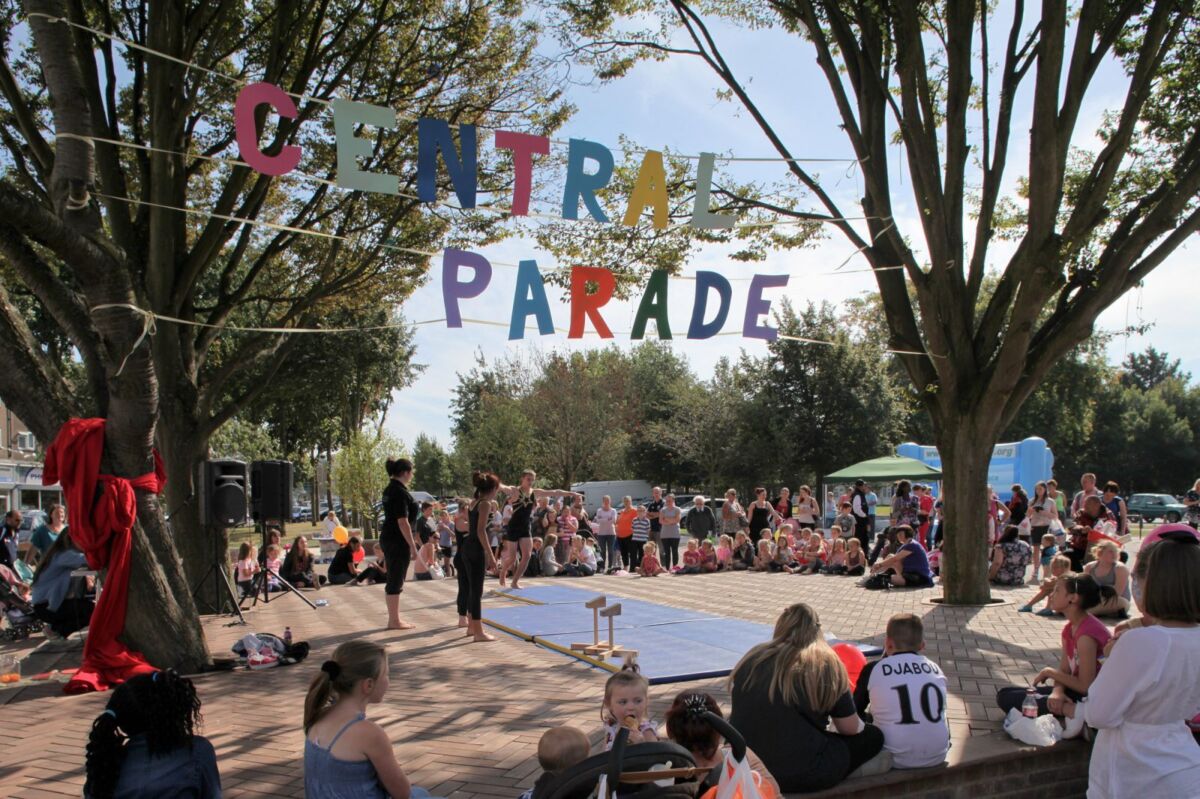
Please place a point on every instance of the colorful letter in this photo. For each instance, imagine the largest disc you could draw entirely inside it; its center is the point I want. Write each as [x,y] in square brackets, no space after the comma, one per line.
[705,281]
[347,114]
[248,101]
[581,185]
[453,290]
[756,306]
[584,304]
[529,281]
[523,146]
[653,304]
[650,189]
[434,135]
[703,218]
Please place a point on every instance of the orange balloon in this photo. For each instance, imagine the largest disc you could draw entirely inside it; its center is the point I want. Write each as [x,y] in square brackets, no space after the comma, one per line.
[340,534]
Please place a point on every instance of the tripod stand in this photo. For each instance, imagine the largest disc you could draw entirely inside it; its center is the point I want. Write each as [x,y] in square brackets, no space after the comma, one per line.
[217,573]
[261,584]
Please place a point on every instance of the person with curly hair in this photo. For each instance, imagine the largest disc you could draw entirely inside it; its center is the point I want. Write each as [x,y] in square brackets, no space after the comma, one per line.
[144,744]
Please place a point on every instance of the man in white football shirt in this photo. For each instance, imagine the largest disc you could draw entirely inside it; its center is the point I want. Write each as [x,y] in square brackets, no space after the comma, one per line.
[905,693]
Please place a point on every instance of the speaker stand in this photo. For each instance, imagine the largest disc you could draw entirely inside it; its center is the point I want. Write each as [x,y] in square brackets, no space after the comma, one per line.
[218,575]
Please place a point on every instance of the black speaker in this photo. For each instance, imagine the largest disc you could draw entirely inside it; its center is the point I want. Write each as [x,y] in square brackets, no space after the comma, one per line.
[224,493]
[271,491]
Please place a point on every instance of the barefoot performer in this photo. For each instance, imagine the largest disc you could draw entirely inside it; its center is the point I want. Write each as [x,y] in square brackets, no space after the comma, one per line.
[400,512]
[477,553]
[519,537]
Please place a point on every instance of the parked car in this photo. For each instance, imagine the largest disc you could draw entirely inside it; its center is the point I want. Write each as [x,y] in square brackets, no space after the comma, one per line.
[715,504]
[301,513]
[30,519]
[1150,507]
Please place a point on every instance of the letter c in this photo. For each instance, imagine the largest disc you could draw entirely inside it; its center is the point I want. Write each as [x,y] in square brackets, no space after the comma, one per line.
[248,101]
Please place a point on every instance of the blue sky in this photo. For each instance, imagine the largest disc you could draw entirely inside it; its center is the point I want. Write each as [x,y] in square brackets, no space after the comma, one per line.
[672,104]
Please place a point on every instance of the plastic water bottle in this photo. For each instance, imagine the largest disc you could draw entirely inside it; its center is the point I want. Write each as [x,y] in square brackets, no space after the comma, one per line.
[287,636]
[1029,708]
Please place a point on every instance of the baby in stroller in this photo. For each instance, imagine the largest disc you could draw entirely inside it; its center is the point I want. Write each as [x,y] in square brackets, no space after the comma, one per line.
[14,604]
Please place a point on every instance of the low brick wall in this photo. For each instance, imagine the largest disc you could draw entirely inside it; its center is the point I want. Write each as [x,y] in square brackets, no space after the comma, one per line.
[1057,772]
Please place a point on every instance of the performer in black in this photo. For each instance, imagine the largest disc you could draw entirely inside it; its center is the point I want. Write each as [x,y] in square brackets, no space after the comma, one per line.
[518,537]
[400,512]
[477,554]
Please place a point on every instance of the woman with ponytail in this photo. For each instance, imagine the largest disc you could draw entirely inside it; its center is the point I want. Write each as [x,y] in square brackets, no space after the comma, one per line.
[345,755]
[477,555]
[143,744]
[400,512]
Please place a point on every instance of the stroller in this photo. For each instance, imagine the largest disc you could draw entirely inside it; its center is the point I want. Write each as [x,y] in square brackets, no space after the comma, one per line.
[625,771]
[17,612]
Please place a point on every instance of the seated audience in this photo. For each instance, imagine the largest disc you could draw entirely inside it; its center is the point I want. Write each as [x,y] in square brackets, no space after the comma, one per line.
[905,693]
[708,557]
[765,556]
[743,552]
[344,753]
[298,566]
[784,693]
[59,599]
[1148,683]
[549,561]
[376,572]
[582,562]
[724,553]
[783,560]
[837,555]
[425,565]
[909,567]
[1083,640]
[1107,570]
[559,748]
[343,569]
[273,537]
[1010,557]
[272,560]
[691,558]
[534,567]
[144,746]
[245,568]
[1059,566]
[856,559]
[815,553]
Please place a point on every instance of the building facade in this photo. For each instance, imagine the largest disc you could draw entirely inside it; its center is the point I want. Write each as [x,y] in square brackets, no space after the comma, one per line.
[21,467]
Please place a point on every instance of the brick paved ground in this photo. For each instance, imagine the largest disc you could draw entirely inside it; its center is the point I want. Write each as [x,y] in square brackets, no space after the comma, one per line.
[465,718]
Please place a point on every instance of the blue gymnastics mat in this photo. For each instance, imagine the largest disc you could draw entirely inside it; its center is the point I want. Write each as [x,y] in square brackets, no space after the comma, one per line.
[548,594]
[690,650]
[534,621]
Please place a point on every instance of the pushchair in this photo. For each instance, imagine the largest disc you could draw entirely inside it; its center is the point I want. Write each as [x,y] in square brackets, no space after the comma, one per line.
[625,771]
[17,612]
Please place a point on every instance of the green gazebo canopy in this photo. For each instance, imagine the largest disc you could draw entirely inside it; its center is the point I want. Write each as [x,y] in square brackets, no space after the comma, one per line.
[889,467]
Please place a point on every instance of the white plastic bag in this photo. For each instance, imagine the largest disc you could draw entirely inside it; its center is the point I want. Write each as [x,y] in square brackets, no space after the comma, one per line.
[1042,731]
[1025,526]
[738,780]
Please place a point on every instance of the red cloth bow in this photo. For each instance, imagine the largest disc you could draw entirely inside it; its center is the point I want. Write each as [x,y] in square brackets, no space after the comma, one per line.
[103,509]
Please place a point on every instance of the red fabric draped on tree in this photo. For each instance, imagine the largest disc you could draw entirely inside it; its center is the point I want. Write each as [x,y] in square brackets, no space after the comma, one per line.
[103,509]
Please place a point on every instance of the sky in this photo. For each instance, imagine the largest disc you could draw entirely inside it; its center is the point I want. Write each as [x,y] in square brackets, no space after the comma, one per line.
[673,104]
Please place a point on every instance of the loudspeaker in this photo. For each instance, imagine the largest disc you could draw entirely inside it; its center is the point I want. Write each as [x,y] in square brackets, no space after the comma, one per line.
[271,491]
[224,493]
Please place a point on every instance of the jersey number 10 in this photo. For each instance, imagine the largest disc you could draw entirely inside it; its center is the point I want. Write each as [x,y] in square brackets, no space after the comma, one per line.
[933,703]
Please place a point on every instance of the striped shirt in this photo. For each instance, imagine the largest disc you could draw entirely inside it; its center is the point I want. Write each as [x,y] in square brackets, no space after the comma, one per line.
[641,528]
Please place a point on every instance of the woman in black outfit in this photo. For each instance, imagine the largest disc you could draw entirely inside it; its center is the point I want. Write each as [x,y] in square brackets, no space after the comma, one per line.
[784,693]
[400,512]
[477,555]
[518,538]
[761,513]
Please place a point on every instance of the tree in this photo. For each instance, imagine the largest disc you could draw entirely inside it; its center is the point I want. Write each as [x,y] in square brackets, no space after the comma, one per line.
[432,467]
[1092,223]
[659,378]
[244,441]
[359,473]
[93,227]
[1145,370]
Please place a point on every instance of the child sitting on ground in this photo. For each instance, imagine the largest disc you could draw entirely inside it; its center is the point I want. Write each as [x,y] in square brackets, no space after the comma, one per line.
[743,552]
[837,556]
[583,559]
[783,560]
[815,553]
[651,565]
[550,564]
[1083,639]
[626,703]
[764,558]
[274,563]
[247,567]
[1059,565]
[425,567]
[708,557]
[376,572]
[725,554]
[691,559]
[558,749]
[856,559]
[534,567]
[906,695]
[935,560]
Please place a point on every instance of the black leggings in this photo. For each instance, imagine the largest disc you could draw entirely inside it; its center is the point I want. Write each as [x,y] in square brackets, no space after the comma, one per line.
[1014,696]
[72,615]
[626,545]
[670,553]
[473,565]
[371,573]
[397,556]
[840,757]
[460,572]
[863,532]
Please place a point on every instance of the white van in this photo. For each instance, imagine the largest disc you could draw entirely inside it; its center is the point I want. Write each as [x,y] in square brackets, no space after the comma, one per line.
[593,492]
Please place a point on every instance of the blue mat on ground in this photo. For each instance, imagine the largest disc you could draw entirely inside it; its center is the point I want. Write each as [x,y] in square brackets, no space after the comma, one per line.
[531,621]
[548,594]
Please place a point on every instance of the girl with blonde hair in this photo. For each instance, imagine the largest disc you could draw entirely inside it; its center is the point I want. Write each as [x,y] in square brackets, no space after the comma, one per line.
[784,693]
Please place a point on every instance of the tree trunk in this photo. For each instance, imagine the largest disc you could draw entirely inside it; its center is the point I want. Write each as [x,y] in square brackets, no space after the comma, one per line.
[966,451]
